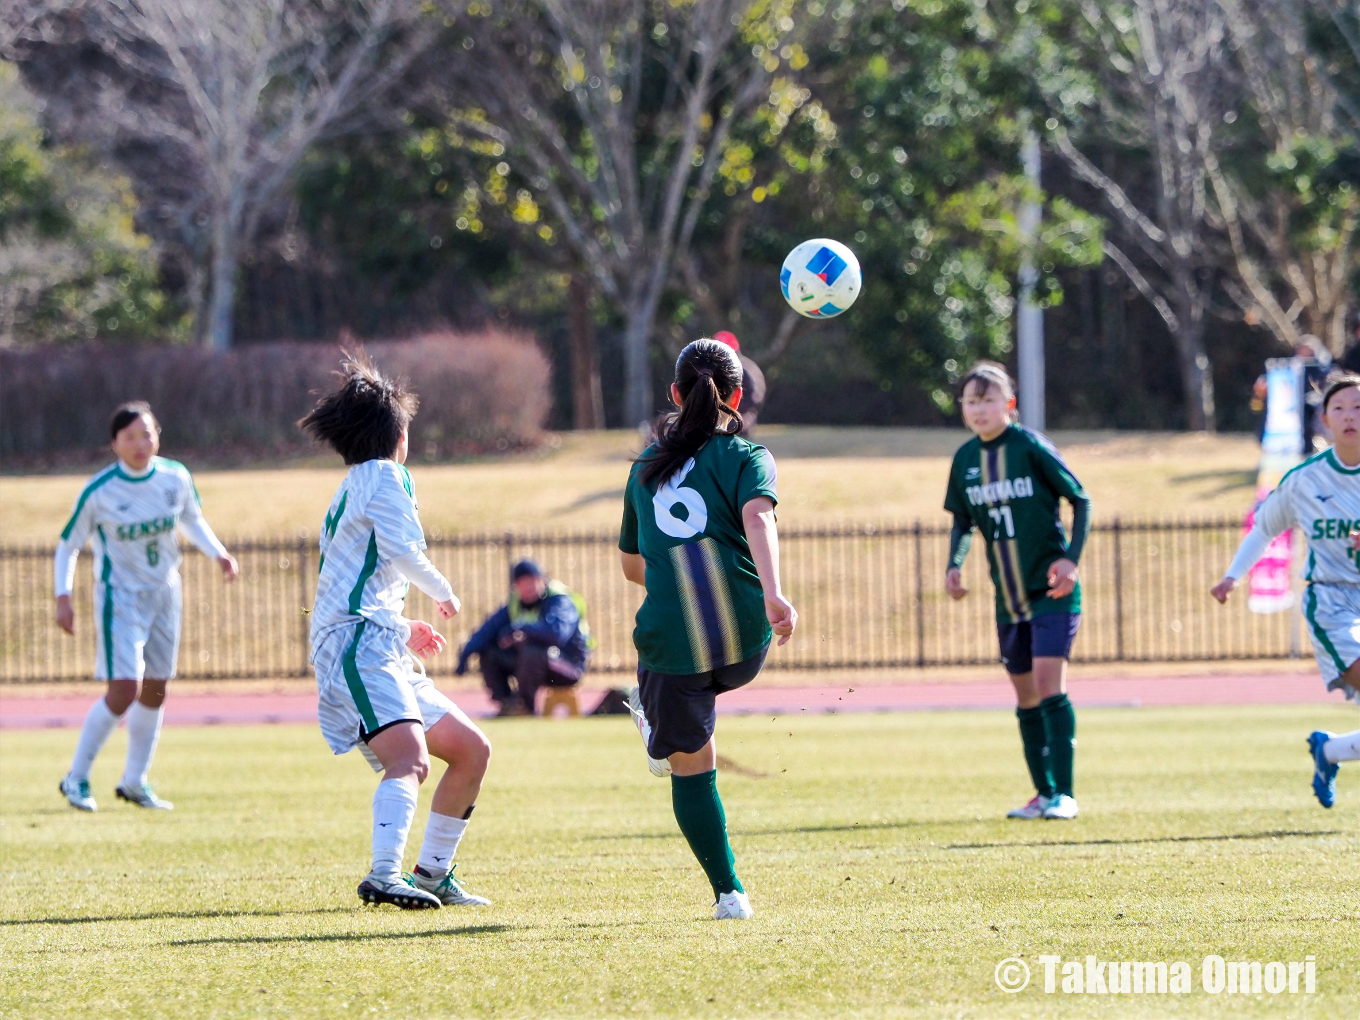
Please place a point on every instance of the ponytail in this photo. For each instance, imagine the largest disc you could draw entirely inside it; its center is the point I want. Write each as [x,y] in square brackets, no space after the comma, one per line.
[707,373]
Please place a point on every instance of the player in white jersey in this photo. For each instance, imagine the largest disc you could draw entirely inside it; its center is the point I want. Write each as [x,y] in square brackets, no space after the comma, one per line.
[1322,497]
[129,512]
[369,693]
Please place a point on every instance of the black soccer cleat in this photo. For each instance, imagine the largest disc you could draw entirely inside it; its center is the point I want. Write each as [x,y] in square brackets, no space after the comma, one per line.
[399,891]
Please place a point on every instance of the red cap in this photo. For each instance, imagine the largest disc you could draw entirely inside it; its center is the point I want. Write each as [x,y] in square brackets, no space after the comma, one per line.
[724,337]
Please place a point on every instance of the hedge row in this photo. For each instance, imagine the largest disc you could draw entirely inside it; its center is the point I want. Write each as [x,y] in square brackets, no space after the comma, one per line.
[478,392]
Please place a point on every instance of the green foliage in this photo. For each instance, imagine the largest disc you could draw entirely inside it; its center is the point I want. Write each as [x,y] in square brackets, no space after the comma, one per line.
[72,263]
[906,149]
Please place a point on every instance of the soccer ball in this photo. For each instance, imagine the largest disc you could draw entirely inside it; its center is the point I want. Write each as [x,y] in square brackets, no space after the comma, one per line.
[820,278]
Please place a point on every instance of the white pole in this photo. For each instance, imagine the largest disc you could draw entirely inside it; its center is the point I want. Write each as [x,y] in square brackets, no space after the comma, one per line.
[1029,316]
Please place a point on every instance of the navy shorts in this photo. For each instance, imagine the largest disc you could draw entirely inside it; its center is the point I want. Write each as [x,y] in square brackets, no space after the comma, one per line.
[1047,636]
[682,708]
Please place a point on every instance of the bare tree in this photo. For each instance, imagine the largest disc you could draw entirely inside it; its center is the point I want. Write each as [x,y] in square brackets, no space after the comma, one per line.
[1162,72]
[617,112]
[230,94]
[1292,244]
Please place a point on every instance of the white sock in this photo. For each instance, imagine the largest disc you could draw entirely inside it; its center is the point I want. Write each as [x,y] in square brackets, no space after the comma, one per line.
[441,843]
[144,730]
[394,808]
[99,723]
[1342,747]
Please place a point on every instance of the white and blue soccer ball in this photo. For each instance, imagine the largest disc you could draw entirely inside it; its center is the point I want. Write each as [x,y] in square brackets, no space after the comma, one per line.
[820,278]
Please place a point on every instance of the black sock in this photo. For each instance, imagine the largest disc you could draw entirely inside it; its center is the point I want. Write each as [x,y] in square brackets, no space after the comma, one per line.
[1061,723]
[1033,737]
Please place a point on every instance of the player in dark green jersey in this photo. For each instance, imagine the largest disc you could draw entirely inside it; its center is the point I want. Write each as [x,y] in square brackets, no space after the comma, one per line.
[699,534]
[1007,482]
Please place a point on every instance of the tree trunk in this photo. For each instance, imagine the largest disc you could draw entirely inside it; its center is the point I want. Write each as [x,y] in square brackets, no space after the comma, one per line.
[638,403]
[1197,377]
[222,298]
[587,397]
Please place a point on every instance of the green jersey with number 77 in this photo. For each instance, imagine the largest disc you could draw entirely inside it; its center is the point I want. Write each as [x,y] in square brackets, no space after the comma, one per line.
[1010,488]
[705,608]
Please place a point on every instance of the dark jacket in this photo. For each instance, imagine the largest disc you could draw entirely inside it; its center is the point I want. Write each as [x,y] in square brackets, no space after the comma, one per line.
[555,622]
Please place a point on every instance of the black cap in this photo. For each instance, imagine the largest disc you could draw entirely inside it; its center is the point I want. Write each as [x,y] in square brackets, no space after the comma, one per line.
[525,568]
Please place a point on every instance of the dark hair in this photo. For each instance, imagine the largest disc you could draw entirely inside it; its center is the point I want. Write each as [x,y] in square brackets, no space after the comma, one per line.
[706,374]
[987,374]
[364,418]
[1336,384]
[126,414]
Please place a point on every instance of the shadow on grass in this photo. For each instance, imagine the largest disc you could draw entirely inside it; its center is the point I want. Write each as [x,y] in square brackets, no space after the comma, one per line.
[377,936]
[178,915]
[1223,837]
[748,833]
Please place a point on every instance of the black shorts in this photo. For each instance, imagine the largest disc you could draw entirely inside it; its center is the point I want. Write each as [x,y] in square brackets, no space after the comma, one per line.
[682,707]
[1047,636]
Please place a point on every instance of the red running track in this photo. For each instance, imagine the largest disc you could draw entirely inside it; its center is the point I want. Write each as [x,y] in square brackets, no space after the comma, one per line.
[1122,692]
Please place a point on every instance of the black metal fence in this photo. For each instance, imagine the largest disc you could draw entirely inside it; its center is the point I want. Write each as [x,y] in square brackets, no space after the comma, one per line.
[869,597]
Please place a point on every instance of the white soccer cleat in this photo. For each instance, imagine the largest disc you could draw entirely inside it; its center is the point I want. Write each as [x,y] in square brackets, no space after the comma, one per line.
[1034,809]
[398,890]
[77,793]
[447,889]
[143,796]
[1061,806]
[733,906]
[660,766]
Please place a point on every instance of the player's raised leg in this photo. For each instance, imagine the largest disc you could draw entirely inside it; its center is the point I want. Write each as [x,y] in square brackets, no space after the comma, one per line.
[457,740]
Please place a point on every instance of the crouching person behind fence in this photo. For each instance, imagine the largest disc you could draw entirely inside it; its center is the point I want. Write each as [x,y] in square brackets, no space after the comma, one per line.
[540,638]
[369,693]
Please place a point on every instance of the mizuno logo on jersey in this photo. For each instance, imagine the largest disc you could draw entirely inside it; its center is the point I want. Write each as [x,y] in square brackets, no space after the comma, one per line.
[132,532]
[997,492]
[1322,499]
[1333,528]
[972,472]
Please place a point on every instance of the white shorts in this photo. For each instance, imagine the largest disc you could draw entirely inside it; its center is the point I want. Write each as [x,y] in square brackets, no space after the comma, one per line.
[136,632]
[365,682]
[1333,615]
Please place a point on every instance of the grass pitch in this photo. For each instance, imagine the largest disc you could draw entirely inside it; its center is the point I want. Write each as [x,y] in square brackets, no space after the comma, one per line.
[885,880]
[825,475]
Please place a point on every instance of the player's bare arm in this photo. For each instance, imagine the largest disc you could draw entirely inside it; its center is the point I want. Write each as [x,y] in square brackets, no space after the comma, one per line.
[634,568]
[763,537]
[953,584]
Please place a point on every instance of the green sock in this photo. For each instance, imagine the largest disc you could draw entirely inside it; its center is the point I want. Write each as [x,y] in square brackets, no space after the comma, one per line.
[1034,739]
[699,811]
[1061,723]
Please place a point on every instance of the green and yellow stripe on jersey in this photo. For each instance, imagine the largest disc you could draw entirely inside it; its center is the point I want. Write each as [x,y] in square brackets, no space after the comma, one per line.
[1004,548]
[706,601]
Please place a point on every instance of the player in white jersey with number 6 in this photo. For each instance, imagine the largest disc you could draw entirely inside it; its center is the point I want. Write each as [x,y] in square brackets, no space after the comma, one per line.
[369,695]
[1322,497]
[130,512]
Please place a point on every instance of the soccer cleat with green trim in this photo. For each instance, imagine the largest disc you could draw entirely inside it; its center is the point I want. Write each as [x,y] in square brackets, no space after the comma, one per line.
[660,767]
[1034,809]
[77,793]
[447,888]
[143,796]
[1062,806]
[400,891]
[732,906]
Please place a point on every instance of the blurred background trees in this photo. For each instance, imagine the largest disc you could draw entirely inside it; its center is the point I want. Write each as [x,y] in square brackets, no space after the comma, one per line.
[619,176]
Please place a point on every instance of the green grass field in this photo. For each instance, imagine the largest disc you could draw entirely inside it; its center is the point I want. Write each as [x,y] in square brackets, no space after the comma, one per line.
[885,881]
[825,475]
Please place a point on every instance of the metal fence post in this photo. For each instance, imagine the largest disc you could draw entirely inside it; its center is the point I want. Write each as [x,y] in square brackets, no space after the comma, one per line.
[920,601]
[304,618]
[1118,592]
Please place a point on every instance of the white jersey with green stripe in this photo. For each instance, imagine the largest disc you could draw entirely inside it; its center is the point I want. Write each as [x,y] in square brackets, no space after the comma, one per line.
[371,522]
[131,521]
[1322,497]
